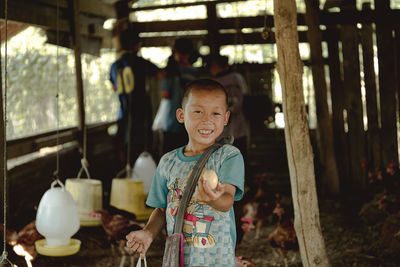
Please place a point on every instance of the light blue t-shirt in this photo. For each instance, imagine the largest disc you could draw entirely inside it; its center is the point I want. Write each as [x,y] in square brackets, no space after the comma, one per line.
[210,235]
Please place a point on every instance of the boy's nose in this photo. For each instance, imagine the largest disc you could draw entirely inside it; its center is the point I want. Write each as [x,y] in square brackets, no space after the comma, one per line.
[206,117]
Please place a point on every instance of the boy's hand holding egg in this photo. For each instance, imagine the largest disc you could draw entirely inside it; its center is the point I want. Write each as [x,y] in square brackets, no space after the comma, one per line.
[211,177]
[208,188]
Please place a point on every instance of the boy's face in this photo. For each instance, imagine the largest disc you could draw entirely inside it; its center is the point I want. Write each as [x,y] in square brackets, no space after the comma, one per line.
[204,115]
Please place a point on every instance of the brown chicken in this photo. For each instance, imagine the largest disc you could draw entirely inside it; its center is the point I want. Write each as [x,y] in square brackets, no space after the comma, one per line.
[284,236]
[117,226]
[258,208]
[23,242]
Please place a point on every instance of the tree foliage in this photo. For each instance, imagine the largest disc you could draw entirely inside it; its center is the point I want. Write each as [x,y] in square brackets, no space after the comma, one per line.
[33,84]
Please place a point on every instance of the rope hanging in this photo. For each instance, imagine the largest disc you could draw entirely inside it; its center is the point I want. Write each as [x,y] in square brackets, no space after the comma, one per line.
[4,256]
[57,172]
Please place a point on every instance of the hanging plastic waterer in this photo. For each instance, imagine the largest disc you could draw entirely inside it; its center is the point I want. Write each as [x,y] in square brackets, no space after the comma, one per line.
[144,170]
[57,220]
[88,195]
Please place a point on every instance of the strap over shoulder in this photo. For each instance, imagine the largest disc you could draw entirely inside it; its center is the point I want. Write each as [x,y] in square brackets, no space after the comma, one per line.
[192,182]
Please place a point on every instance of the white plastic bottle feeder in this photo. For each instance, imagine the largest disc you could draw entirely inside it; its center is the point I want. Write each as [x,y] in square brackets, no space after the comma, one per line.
[57,220]
[88,196]
[144,170]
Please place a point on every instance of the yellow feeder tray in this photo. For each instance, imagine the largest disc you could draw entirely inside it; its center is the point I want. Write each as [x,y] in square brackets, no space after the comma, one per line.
[58,251]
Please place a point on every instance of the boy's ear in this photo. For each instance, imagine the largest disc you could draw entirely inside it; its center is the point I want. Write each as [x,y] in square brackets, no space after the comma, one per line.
[179,115]
[226,120]
[227,114]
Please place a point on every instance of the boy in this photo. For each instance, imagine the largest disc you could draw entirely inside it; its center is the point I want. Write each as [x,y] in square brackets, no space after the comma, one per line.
[209,225]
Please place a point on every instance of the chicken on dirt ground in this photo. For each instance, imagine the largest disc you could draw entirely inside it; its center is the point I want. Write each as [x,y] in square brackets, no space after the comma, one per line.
[117,226]
[23,241]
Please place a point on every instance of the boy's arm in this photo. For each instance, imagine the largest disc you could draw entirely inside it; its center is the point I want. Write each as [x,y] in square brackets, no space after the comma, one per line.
[140,241]
[220,199]
[156,222]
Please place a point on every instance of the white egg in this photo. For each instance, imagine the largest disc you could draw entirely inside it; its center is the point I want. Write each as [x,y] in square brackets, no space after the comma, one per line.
[211,178]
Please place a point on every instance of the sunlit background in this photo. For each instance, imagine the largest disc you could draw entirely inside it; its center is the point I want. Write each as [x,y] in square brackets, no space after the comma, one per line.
[33,81]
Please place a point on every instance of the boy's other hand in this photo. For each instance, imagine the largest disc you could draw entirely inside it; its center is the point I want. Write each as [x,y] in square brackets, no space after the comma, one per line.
[139,241]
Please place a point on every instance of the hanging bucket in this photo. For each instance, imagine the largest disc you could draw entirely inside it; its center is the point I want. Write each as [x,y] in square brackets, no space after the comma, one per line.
[57,220]
[128,194]
[88,196]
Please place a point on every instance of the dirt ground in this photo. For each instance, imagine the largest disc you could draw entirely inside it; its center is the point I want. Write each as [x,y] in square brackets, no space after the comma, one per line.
[348,243]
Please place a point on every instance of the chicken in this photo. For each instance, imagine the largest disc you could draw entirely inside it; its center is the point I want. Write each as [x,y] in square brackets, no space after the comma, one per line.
[284,236]
[244,262]
[23,242]
[258,208]
[117,226]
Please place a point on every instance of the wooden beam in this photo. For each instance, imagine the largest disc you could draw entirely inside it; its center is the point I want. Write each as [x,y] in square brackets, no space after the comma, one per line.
[329,175]
[337,97]
[297,139]
[387,85]
[326,18]
[197,3]
[45,17]
[78,66]
[373,134]
[92,7]
[3,151]
[353,106]
[22,146]
[212,28]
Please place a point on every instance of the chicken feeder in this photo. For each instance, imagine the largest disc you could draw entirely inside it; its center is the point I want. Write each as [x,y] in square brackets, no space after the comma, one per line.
[57,220]
[88,196]
[128,194]
[144,170]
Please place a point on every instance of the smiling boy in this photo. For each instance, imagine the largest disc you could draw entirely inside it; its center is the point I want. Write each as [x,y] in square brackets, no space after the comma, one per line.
[209,221]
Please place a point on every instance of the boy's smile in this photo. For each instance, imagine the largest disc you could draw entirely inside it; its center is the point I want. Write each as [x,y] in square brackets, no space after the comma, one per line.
[205,116]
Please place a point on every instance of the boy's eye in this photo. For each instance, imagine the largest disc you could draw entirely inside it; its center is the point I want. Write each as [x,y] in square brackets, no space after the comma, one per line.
[217,113]
[197,111]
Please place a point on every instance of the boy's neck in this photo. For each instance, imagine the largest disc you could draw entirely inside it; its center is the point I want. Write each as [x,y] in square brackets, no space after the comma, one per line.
[193,150]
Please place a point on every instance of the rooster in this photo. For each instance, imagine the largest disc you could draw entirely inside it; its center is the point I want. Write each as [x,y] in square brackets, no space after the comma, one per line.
[23,242]
[117,226]
[283,236]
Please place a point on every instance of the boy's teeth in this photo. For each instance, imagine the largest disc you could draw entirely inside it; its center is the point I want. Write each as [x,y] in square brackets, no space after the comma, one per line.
[205,131]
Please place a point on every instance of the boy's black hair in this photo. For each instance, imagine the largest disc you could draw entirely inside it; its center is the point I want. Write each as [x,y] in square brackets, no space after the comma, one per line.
[128,36]
[204,84]
[184,45]
[217,59]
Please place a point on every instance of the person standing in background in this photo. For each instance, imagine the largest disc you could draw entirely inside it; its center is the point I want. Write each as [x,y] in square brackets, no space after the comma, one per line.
[236,87]
[179,72]
[128,77]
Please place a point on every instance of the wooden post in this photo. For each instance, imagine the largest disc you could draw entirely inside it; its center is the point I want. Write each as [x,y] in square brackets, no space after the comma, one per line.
[122,8]
[353,104]
[397,65]
[373,138]
[298,147]
[330,177]
[337,96]
[78,65]
[212,27]
[387,84]
[2,150]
